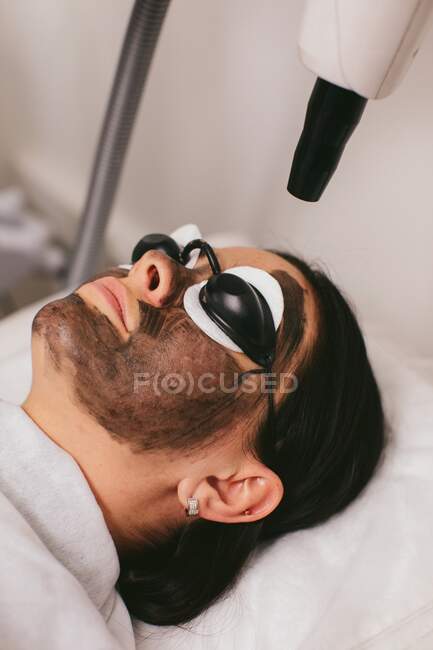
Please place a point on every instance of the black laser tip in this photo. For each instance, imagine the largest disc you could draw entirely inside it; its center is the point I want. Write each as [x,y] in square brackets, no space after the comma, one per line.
[332,115]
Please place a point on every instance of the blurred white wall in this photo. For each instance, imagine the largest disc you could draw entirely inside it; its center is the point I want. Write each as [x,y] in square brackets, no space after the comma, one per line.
[216,132]
[3,153]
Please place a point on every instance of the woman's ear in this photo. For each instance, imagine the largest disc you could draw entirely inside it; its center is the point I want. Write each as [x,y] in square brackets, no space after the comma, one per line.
[248,495]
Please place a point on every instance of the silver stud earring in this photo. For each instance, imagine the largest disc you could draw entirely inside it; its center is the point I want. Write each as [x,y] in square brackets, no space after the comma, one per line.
[193,507]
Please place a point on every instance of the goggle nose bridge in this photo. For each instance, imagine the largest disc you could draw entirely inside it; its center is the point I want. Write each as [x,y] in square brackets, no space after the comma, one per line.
[170,247]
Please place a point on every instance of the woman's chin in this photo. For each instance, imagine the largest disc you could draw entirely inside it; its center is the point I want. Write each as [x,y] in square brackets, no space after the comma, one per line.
[54,328]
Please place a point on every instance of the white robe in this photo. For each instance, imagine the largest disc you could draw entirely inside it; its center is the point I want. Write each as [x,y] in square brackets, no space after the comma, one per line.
[58,562]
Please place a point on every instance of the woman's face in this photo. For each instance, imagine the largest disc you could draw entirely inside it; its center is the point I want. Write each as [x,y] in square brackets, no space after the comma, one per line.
[146,372]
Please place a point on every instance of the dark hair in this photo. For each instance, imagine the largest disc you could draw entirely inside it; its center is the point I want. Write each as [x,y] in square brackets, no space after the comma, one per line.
[330,434]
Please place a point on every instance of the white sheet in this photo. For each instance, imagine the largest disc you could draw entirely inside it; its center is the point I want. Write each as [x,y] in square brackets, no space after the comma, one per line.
[363,581]
[57,587]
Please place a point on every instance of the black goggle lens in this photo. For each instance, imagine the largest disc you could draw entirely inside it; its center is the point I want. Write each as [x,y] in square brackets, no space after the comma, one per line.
[159,242]
[241,312]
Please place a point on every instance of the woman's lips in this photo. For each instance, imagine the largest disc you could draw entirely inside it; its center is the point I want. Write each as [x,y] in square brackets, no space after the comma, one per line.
[115,300]
[115,294]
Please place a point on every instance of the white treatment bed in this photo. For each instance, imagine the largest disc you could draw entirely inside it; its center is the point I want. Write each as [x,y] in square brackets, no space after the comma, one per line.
[362,581]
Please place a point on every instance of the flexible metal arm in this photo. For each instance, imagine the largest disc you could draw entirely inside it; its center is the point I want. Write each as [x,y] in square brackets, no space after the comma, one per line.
[131,74]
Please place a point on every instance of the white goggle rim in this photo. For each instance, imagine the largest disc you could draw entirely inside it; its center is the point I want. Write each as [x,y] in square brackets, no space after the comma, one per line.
[260,279]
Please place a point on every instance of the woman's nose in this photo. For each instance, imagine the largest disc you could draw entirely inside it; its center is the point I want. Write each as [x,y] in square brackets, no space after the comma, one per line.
[157,279]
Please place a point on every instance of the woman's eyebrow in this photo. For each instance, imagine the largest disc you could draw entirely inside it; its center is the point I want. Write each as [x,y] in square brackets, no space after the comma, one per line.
[294,322]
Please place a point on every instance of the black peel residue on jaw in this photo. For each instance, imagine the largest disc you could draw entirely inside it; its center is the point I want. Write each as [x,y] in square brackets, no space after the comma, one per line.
[84,344]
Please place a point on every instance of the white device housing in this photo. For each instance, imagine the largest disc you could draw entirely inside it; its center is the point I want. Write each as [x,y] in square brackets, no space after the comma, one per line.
[363,45]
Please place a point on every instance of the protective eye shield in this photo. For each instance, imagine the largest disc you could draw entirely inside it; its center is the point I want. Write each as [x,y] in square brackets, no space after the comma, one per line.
[240,308]
[250,320]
